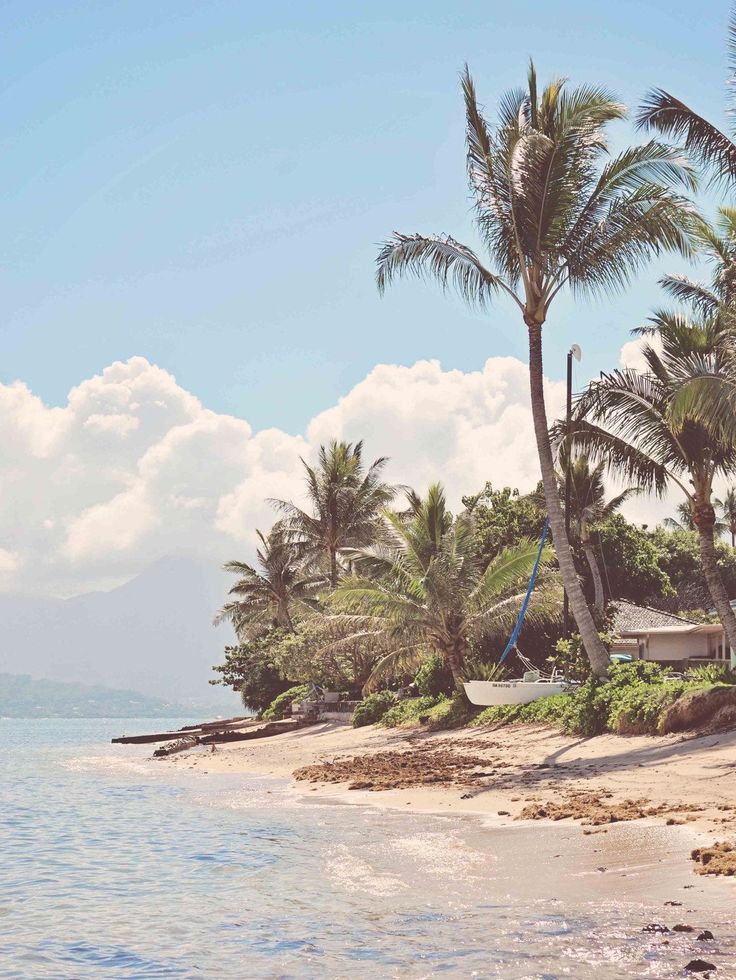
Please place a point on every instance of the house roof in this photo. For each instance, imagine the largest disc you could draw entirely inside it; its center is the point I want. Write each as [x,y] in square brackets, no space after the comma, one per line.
[630,618]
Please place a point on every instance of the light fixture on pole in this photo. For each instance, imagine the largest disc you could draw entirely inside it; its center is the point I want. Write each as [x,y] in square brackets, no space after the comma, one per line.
[577,354]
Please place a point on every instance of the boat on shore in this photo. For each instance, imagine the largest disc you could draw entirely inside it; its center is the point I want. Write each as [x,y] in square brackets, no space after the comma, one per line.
[489,693]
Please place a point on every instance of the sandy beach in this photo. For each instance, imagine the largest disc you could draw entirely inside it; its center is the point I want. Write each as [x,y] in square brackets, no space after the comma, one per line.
[503,775]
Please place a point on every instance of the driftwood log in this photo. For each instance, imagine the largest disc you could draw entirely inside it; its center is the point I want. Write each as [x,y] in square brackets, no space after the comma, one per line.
[211,733]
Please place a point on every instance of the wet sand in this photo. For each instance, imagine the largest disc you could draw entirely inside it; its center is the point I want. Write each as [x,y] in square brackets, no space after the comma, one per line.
[520,772]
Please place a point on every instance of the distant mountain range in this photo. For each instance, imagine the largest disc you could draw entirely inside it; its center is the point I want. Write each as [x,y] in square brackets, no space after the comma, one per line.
[153,635]
[23,697]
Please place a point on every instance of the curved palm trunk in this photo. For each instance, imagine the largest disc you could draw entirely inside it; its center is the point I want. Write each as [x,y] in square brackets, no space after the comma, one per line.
[595,572]
[454,657]
[704,518]
[586,625]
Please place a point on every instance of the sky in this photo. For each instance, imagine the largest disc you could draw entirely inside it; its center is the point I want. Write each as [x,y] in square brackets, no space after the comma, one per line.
[193,197]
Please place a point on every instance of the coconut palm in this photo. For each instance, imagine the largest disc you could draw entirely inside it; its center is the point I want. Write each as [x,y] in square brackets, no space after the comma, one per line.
[553,212]
[424,588]
[704,141]
[727,507]
[346,501]
[588,507]
[684,519]
[716,243]
[268,597]
[711,397]
[625,420]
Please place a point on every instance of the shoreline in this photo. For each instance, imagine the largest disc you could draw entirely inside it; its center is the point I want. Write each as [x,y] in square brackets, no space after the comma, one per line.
[502,776]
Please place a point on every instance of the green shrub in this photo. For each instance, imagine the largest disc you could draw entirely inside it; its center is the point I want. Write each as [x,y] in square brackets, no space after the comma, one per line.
[280,707]
[451,712]
[641,706]
[712,674]
[372,708]
[433,678]
[411,711]
[633,700]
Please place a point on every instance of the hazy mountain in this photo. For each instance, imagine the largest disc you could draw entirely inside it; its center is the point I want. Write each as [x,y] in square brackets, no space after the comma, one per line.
[23,697]
[153,635]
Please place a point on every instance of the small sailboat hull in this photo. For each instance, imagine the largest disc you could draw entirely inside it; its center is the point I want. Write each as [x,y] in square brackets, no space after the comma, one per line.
[488,693]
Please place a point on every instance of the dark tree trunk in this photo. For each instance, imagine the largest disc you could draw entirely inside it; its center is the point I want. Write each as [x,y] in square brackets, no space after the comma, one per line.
[705,518]
[599,601]
[595,650]
[454,657]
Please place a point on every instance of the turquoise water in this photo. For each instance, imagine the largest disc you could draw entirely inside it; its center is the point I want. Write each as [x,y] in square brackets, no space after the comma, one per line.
[117,866]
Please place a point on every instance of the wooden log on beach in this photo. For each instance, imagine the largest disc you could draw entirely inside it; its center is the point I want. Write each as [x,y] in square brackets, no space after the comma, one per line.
[188,742]
[207,736]
[224,723]
[270,728]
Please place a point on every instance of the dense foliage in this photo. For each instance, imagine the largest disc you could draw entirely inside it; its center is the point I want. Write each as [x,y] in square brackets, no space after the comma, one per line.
[372,708]
[280,707]
[251,669]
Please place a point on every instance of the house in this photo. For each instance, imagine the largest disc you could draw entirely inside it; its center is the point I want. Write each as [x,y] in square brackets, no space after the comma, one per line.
[651,634]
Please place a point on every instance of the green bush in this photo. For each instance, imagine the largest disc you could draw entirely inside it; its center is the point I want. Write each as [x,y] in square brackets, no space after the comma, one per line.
[451,712]
[411,711]
[280,707]
[433,678]
[372,708]
[633,700]
[712,674]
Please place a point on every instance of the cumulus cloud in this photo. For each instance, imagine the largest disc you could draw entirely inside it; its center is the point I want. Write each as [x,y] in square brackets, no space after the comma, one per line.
[134,467]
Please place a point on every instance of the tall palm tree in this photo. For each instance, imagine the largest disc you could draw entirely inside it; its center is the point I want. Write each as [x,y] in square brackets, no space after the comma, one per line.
[668,115]
[684,520]
[625,419]
[727,507]
[424,588]
[553,212]
[716,243]
[588,508]
[346,500]
[267,597]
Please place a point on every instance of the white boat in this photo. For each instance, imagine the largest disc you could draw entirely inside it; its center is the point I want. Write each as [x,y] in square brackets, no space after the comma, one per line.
[521,691]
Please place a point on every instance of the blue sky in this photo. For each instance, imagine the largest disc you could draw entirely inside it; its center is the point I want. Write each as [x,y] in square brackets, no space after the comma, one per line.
[205,184]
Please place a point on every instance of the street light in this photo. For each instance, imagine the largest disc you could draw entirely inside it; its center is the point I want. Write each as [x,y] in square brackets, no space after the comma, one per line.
[577,354]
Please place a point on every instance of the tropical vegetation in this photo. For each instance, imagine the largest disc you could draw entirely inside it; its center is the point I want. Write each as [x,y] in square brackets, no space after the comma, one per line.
[394,595]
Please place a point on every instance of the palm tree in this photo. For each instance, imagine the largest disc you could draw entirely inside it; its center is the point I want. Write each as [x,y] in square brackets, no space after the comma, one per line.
[727,507]
[346,501]
[425,589]
[684,520]
[625,419]
[553,213]
[267,598]
[704,141]
[588,508]
[716,243]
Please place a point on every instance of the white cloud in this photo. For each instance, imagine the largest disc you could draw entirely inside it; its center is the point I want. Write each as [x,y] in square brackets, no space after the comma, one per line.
[632,355]
[134,467]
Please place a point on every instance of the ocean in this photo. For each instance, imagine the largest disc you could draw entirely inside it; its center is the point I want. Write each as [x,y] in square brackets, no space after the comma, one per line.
[117,866]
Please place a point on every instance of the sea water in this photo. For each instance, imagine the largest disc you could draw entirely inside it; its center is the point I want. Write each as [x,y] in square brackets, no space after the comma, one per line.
[114,865]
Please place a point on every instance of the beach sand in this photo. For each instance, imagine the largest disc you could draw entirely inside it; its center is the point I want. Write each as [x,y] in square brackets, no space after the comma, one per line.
[503,774]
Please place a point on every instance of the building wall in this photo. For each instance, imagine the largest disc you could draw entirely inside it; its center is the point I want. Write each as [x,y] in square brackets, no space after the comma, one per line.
[674,647]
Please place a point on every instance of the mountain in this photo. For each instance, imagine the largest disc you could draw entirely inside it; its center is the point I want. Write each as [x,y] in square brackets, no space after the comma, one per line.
[153,635]
[23,697]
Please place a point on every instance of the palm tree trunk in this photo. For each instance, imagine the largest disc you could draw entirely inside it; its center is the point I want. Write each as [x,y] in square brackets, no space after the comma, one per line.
[586,625]
[454,657]
[704,517]
[333,569]
[595,572]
